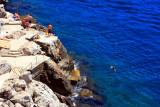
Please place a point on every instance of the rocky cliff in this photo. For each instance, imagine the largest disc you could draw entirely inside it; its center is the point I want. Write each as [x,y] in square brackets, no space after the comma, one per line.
[23,91]
[55,75]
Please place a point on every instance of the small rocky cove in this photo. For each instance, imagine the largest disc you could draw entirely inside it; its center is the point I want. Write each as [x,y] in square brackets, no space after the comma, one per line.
[34,72]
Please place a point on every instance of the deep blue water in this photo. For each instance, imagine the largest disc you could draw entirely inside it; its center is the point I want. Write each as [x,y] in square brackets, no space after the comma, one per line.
[101,33]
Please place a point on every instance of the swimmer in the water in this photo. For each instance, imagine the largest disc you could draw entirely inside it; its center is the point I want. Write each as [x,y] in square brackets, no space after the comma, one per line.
[112,67]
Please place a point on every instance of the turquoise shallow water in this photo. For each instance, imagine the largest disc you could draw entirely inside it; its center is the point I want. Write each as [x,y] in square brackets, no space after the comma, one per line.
[122,33]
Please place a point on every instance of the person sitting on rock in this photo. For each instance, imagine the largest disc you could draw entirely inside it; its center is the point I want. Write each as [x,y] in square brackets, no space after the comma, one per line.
[46,33]
[30,18]
[27,25]
[23,23]
[17,16]
[49,30]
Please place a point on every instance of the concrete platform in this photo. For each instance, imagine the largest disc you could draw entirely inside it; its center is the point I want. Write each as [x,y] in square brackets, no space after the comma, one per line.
[24,60]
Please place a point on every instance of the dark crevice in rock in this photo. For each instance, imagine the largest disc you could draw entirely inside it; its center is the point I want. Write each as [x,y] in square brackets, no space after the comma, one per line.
[55,81]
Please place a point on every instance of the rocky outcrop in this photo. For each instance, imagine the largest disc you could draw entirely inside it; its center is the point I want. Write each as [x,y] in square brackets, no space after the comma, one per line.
[2,11]
[66,64]
[54,79]
[85,93]
[31,48]
[55,50]
[59,72]
[25,92]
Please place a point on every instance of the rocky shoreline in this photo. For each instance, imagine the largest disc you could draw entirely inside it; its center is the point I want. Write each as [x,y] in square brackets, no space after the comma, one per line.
[53,76]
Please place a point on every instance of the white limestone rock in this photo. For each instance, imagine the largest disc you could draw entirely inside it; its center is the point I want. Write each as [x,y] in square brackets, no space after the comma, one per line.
[31,48]
[26,76]
[17,93]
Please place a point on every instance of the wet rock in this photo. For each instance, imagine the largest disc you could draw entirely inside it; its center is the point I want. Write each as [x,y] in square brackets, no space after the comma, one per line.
[31,48]
[85,93]
[2,11]
[75,74]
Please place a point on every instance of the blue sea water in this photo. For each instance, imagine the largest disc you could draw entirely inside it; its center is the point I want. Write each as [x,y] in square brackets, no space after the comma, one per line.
[101,33]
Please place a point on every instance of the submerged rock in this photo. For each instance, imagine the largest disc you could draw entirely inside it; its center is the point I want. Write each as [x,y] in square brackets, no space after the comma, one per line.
[85,93]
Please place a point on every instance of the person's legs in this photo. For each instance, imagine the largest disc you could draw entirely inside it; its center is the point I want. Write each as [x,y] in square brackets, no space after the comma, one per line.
[30,21]
[49,32]
[27,27]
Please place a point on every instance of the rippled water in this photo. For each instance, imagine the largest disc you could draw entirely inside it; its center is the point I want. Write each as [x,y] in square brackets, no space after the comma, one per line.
[101,33]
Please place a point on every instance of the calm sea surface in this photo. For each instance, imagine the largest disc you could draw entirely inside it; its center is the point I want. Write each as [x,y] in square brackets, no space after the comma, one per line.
[101,33]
